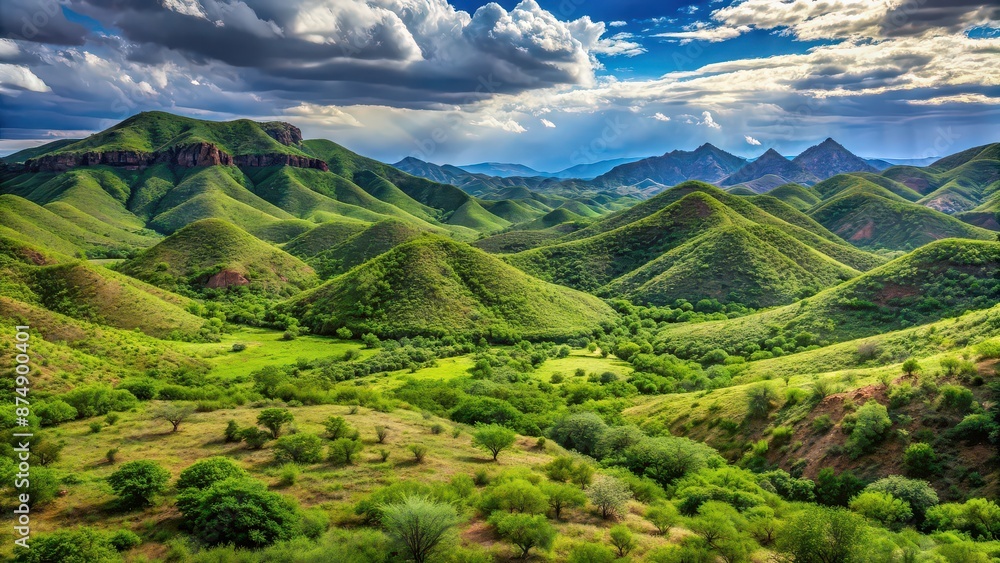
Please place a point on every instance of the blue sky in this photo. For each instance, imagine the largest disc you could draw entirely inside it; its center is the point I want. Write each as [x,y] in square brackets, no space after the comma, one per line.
[547,83]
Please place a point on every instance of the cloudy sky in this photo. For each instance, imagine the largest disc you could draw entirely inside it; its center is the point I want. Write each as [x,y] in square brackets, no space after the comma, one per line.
[547,83]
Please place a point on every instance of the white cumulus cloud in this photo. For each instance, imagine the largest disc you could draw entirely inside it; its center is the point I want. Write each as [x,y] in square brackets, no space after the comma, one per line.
[751,141]
[660,117]
[548,123]
[708,121]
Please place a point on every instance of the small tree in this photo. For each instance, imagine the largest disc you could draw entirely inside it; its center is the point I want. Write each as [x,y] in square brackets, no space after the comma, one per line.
[344,333]
[870,428]
[173,412]
[381,433]
[920,459]
[759,399]
[419,452]
[664,516]
[300,448]
[911,366]
[137,482]
[206,472]
[563,496]
[254,438]
[79,545]
[343,450]
[418,525]
[524,530]
[274,419]
[337,427]
[232,433]
[515,495]
[609,495]
[591,553]
[819,535]
[882,508]
[622,539]
[493,438]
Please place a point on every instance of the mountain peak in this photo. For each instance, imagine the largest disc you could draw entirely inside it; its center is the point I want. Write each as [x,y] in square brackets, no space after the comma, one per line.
[830,158]
[771,153]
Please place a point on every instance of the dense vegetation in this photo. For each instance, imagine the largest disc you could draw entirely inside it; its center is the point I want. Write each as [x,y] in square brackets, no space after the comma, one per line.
[280,363]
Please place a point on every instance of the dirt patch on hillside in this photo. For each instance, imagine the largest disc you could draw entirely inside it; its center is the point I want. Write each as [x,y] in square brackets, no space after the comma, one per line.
[892,291]
[865,232]
[226,278]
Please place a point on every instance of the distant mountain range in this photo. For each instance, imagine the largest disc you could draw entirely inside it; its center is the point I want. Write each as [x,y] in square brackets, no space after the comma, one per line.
[645,177]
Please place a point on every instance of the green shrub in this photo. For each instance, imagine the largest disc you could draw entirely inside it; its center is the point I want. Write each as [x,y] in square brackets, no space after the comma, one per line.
[254,438]
[343,450]
[206,472]
[920,459]
[822,424]
[882,508]
[241,512]
[419,452]
[136,483]
[591,553]
[525,531]
[54,411]
[870,428]
[918,494]
[956,398]
[232,432]
[124,540]
[782,435]
[299,448]
[80,545]
[819,534]
[514,495]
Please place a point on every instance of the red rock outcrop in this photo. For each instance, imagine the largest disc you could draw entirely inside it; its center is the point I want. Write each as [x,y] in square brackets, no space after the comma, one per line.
[226,278]
[198,154]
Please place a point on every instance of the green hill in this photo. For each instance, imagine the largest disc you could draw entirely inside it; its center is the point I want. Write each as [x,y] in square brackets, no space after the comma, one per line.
[869,220]
[213,253]
[324,236]
[154,131]
[838,250]
[23,155]
[336,248]
[799,197]
[435,286]
[511,210]
[689,249]
[939,280]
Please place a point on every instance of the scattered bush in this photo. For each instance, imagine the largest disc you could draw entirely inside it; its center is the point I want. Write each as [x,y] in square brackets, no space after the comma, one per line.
[299,448]
[920,459]
[419,452]
[240,512]
[609,495]
[418,525]
[343,450]
[274,420]
[137,482]
[525,531]
[206,472]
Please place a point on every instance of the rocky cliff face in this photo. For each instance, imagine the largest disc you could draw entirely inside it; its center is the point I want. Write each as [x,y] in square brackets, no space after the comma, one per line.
[199,154]
[285,133]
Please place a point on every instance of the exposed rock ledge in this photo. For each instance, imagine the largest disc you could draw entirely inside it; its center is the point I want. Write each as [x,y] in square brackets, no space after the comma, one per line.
[200,154]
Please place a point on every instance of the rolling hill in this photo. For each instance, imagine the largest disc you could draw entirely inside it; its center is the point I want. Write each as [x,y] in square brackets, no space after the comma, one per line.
[334,248]
[685,249]
[797,196]
[435,286]
[870,216]
[213,253]
[939,280]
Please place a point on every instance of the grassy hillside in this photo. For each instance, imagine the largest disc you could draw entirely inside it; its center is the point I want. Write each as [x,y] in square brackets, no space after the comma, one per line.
[799,197]
[154,131]
[631,259]
[870,220]
[938,280]
[436,286]
[215,253]
[334,248]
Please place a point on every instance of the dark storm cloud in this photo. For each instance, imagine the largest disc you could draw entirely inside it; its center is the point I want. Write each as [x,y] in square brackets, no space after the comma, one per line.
[914,17]
[423,50]
[41,21]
